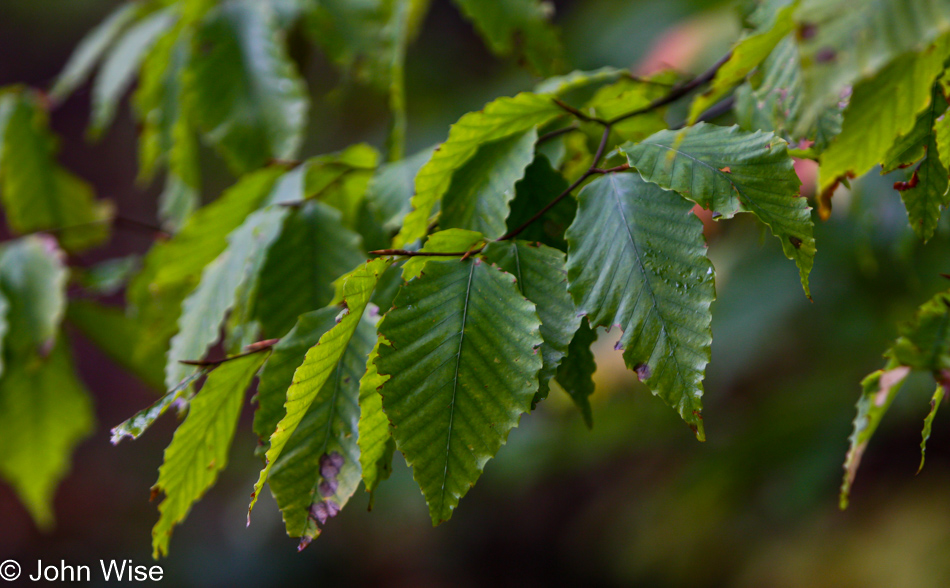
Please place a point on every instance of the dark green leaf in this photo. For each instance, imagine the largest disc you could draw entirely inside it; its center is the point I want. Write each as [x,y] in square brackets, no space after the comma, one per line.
[246,93]
[728,171]
[540,185]
[481,191]
[499,119]
[650,276]
[313,250]
[518,26]
[542,279]
[459,377]
[576,372]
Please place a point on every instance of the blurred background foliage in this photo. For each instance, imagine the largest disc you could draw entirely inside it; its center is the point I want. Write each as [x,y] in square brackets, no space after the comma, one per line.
[636,500]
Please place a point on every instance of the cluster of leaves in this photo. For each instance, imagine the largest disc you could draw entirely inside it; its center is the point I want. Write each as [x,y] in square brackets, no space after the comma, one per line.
[485,254]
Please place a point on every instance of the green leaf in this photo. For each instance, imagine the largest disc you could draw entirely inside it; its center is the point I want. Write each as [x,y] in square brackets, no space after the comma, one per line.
[925,196]
[928,423]
[448,241]
[652,278]
[205,309]
[313,250]
[941,130]
[91,49]
[460,378]
[321,361]
[172,268]
[376,442]
[33,277]
[841,43]
[179,396]
[541,183]
[38,194]
[924,343]
[117,335]
[166,136]
[879,390]
[728,171]
[626,95]
[912,146]
[772,100]
[390,191]
[576,372]
[744,57]
[204,236]
[108,277]
[881,109]
[319,469]
[499,119]
[577,79]
[363,38]
[122,64]
[542,279]
[199,450]
[341,179]
[481,191]
[245,92]
[45,412]
[517,26]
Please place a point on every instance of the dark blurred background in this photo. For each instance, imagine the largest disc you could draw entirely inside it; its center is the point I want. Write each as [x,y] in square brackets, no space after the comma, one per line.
[635,501]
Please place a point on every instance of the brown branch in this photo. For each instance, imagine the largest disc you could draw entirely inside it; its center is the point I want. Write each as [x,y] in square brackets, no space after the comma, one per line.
[610,170]
[557,133]
[251,350]
[677,92]
[673,95]
[577,113]
[590,171]
[407,253]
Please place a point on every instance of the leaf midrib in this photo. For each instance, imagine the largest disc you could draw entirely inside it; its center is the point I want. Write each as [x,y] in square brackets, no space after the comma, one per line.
[455,385]
[671,340]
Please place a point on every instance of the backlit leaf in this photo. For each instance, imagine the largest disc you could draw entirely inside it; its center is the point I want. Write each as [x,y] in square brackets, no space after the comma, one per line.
[499,119]
[322,361]
[319,469]
[482,189]
[199,450]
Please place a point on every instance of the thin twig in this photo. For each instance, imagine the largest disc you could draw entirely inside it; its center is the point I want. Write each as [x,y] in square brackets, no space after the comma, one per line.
[577,113]
[677,92]
[590,171]
[407,253]
[673,95]
[251,350]
[557,133]
[610,170]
